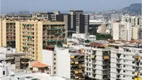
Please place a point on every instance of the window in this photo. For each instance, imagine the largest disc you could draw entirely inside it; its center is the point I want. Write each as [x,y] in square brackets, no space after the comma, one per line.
[124,60]
[87,64]
[3,72]
[124,71]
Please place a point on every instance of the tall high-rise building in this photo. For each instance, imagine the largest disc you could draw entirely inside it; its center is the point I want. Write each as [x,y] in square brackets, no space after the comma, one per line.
[33,36]
[140,33]
[122,31]
[135,32]
[134,20]
[73,61]
[125,62]
[97,62]
[76,22]
[7,33]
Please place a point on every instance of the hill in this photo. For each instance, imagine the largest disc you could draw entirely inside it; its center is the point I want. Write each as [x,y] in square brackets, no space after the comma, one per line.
[133,8]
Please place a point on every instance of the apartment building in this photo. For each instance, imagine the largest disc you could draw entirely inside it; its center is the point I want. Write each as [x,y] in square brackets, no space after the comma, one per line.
[7,33]
[49,58]
[32,36]
[18,16]
[122,31]
[134,20]
[77,22]
[70,63]
[64,62]
[140,33]
[126,63]
[52,16]
[135,32]
[97,62]
[112,61]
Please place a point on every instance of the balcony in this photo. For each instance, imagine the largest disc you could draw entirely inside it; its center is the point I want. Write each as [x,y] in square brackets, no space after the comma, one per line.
[50,41]
[76,62]
[106,57]
[59,33]
[76,72]
[138,58]
[72,57]
[29,36]
[72,63]
[27,24]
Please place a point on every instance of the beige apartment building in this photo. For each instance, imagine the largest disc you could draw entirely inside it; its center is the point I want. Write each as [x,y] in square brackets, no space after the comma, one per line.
[135,32]
[7,33]
[31,36]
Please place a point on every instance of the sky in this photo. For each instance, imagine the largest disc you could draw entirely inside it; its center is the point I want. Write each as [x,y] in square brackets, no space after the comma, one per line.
[63,5]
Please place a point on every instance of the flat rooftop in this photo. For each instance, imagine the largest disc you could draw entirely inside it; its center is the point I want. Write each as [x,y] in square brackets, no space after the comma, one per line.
[32,76]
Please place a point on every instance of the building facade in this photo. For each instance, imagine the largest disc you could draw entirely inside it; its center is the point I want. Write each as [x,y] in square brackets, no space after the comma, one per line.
[8,33]
[77,22]
[122,31]
[126,63]
[70,63]
[140,33]
[134,20]
[33,36]
[97,64]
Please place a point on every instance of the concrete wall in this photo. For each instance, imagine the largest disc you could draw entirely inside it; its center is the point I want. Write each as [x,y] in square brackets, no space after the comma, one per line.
[63,63]
[115,29]
[47,58]
[135,32]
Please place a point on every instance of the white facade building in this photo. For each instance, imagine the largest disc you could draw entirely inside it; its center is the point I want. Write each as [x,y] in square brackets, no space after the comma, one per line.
[69,63]
[4,51]
[48,59]
[112,63]
[134,20]
[126,63]
[102,61]
[65,62]
[122,31]
[97,63]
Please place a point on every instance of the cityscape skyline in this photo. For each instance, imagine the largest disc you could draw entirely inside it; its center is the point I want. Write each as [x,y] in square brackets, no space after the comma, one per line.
[70,40]
[101,5]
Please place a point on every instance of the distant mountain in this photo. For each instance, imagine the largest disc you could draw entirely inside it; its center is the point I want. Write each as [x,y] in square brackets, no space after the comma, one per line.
[133,8]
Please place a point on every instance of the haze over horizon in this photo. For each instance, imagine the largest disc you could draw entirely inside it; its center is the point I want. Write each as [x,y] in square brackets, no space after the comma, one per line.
[63,5]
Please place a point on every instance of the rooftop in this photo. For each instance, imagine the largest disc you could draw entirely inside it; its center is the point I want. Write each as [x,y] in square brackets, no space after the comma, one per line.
[33,76]
[39,65]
